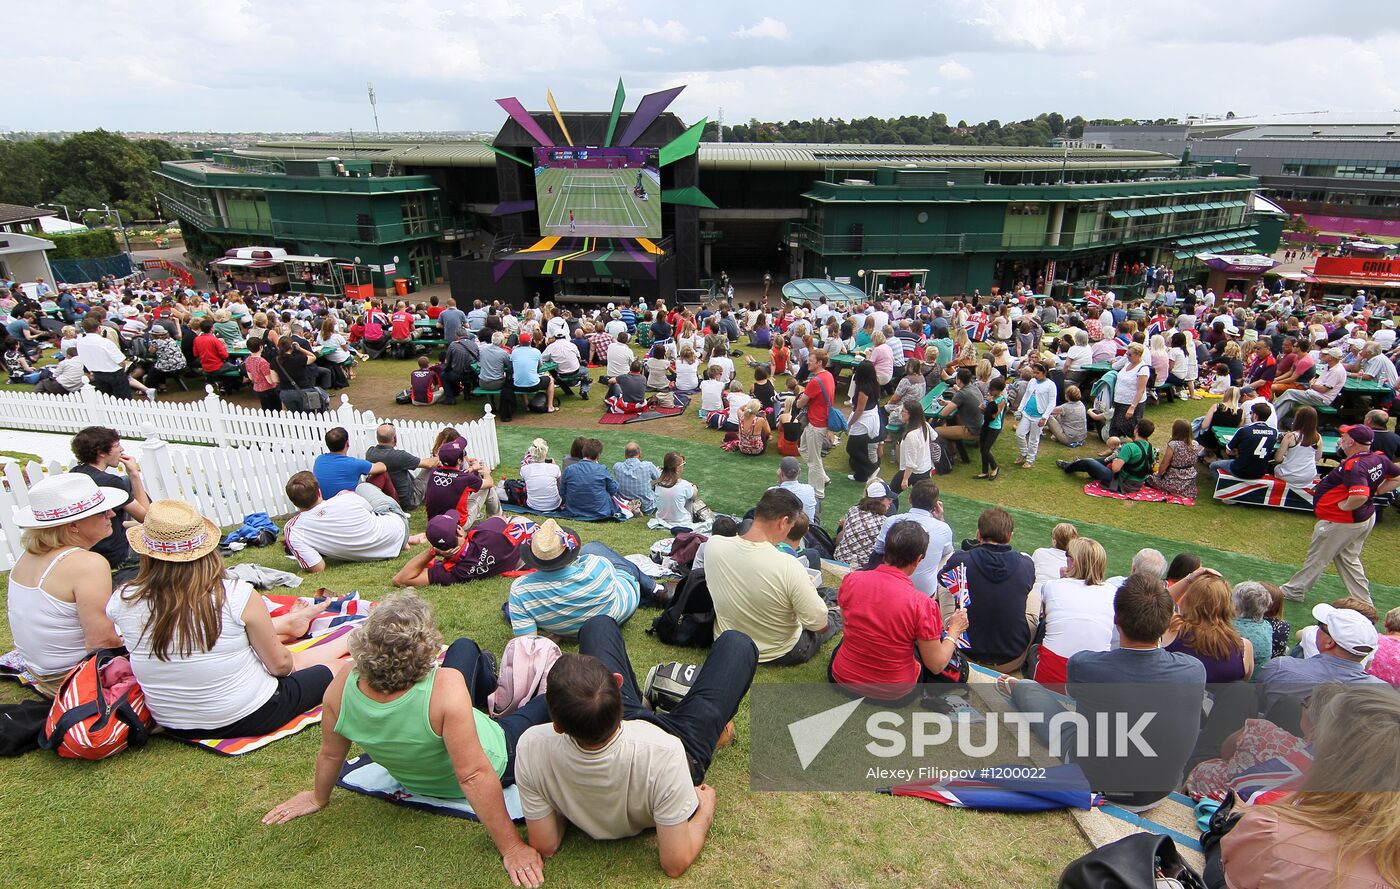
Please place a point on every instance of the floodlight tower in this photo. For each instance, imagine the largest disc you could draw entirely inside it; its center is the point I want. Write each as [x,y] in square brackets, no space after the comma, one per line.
[374,107]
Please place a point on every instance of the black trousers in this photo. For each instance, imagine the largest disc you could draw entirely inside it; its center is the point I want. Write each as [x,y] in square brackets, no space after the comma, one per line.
[296,693]
[114,383]
[863,465]
[466,657]
[713,699]
[984,444]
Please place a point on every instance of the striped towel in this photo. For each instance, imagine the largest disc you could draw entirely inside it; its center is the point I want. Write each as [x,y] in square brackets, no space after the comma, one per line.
[240,746]
[364,775]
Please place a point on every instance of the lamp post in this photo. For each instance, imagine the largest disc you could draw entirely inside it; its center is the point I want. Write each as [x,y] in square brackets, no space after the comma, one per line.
[63,207]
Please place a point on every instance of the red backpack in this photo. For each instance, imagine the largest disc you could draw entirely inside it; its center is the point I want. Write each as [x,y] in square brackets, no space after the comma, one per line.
[99,710]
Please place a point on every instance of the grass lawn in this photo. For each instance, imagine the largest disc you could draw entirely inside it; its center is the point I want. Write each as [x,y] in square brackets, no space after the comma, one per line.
[172,815]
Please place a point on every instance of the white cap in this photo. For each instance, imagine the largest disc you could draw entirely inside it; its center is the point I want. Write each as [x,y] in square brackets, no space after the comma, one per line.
[1349,629]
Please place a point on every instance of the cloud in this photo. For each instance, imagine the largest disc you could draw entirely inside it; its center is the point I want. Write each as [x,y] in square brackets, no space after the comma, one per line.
[1087,74]
[671,31]
[952,70]
[767,27]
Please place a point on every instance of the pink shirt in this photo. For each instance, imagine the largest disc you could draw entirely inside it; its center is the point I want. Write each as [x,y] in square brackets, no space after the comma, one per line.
[1264,851]
[883,359]
[1386,662]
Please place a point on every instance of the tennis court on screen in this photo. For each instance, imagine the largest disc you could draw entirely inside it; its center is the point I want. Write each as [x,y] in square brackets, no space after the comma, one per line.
[604,202]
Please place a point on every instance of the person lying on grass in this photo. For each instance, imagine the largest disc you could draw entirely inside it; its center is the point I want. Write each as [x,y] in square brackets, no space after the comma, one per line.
[421,722]
[613,767]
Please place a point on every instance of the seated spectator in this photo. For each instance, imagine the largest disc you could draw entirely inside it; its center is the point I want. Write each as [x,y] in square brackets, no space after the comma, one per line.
[1251,450]
[571,583]
[1181,567]
[658,369]
[455,482]
[1202,629]
[1300,450]
[859,529]
[1307,636]
[1251,601]
[627,392]
[1078,610]
[893,637]
[1386,662]
[1128,468]
[1142,611]
[789,468]
[455,554]
[1340,828]
[619,358]
[712,399]
[763,593]
[525,363]
[1321,391]
[1050,561]
[1176,468]
[494,362]
[753,431]
[613,767]
[59,587]
[400,464]
[98,450]
[541,476]
[636,478]
[1256,742]
[1383,440]
[569,370]
[1002,614]
[677,500]
[425,383]
[424,723]
[362,525]
[1281,629]
[336,470]
[18,366]
[210,351]
[202,644]
[1345,639]
[70,376]
[687,371]
[587,487]
[926,509]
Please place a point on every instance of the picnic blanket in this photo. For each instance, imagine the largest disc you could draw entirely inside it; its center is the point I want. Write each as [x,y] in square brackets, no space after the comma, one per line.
[240,746]
[1144,495]
[1060,787]
[363,775]
[556,513]
[12,666]
[659,413]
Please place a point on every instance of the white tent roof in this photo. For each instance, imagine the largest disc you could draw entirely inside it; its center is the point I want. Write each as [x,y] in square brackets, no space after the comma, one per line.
[57,225]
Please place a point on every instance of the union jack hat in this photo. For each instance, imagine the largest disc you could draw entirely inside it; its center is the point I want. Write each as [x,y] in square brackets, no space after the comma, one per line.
[63,499]
[174,531]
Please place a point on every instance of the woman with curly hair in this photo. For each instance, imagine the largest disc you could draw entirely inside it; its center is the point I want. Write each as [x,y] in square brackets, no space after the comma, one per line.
[421,722]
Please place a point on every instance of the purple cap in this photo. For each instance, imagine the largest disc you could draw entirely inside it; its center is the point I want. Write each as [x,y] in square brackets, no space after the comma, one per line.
[442,530]
[451,452]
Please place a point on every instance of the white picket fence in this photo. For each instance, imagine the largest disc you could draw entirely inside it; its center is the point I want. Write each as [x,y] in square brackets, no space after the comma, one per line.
[246,472]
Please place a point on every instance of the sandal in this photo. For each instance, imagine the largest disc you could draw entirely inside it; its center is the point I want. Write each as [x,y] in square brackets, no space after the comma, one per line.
[1003,685]
[982,475]
[994,473]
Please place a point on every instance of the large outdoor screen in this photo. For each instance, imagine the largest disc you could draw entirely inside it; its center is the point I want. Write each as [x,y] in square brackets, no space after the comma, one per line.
[598,192]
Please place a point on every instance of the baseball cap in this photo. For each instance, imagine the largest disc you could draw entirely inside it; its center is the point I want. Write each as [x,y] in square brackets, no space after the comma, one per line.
[442,530]
[789,465]
[1359,433]
[561,335]
[1333,352]
[878,489]
[1349,629]
[451,451]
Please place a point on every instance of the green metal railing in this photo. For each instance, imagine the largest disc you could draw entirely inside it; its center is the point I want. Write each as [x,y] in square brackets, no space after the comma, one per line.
[812,238]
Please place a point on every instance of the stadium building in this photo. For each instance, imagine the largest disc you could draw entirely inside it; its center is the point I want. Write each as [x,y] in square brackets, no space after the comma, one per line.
[1339,170]
[960,218]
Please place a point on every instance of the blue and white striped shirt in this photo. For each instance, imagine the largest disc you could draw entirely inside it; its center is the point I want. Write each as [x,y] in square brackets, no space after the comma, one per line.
[562,601]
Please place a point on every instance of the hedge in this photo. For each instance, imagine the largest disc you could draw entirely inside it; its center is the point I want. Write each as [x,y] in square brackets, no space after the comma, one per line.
[83,245]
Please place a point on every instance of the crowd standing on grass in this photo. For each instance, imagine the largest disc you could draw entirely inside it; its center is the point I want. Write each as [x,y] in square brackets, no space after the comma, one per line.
[917,605]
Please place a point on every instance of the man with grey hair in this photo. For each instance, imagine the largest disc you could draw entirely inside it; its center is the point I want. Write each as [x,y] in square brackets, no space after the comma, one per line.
[788,470]
[1377,366]
[1322,391]
[1147,561]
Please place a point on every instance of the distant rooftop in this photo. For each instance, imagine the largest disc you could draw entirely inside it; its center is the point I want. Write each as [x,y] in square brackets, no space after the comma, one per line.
[742,155]
[21,213]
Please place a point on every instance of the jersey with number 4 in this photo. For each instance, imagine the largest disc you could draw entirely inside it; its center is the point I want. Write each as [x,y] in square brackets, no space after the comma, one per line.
[1253,446]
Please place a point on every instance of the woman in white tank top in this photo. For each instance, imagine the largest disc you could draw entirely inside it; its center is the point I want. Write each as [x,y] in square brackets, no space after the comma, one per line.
[58,590]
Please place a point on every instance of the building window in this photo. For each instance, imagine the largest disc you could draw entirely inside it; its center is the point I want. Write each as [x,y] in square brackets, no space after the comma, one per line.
[415,215]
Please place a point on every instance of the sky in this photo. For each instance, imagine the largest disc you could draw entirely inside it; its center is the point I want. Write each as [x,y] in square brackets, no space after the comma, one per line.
[303,65]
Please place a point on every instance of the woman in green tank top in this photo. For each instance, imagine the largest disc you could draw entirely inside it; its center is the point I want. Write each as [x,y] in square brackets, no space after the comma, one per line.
[420,722]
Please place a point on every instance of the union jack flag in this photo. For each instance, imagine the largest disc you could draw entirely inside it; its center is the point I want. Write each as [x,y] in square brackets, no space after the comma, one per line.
[977,327]
[1157,325]
[1280,774]
[955,580]
[347,609]
[1266,491]
[1060,787]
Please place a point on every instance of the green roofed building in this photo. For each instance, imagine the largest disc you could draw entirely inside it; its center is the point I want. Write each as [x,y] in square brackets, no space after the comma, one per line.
[960,218]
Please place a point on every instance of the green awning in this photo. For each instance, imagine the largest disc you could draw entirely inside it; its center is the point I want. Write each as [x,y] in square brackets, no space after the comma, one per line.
[1118,214]
[1182,254]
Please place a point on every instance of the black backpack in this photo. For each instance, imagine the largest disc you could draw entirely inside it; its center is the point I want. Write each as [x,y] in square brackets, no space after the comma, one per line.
[690,618]
[818,539]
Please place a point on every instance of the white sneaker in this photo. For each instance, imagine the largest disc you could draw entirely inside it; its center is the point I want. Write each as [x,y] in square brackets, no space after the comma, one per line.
[151,393]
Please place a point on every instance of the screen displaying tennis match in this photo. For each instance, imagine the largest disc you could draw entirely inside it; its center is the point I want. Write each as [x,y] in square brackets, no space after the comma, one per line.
[598,192]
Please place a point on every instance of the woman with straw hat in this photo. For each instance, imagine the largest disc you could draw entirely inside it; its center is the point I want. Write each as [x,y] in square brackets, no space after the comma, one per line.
[58,590]
[202,644]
